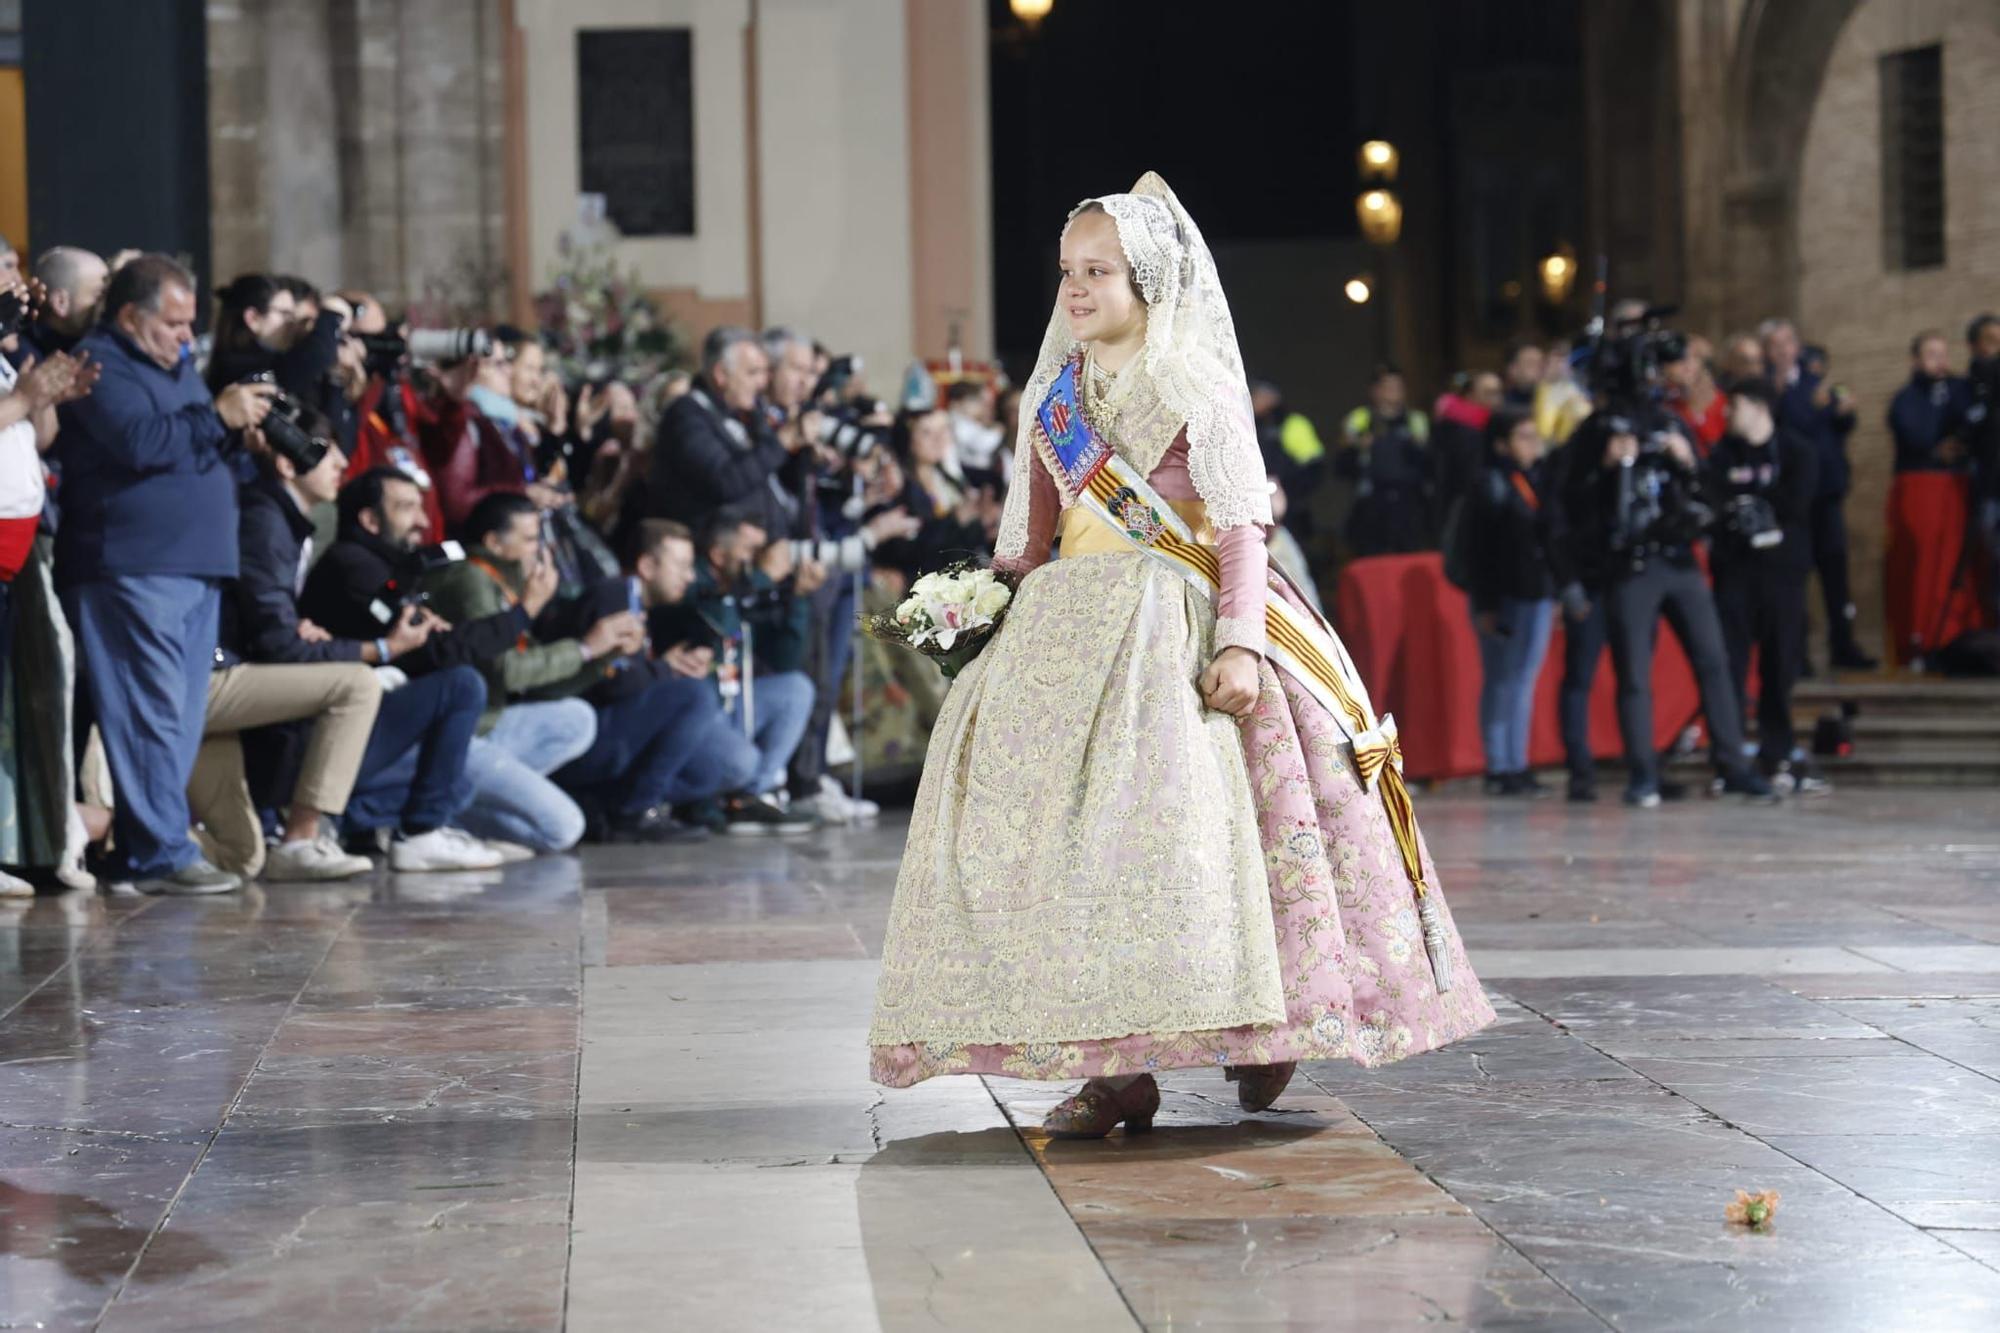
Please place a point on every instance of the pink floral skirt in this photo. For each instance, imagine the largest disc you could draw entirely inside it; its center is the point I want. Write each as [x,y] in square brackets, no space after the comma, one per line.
[1358,983]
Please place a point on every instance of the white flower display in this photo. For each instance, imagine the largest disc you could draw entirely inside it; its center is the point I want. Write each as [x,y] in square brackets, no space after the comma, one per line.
[942,608]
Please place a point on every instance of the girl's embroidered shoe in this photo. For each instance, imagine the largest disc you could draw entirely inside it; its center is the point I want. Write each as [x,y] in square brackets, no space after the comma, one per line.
[1096,1111]
[1257,1086]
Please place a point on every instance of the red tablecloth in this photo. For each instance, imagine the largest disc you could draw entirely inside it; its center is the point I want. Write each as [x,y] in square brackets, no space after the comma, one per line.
[1410,634]
[1930,596]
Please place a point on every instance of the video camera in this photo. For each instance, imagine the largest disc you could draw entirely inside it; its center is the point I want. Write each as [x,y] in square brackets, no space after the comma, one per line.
[1622,362]
[405,589]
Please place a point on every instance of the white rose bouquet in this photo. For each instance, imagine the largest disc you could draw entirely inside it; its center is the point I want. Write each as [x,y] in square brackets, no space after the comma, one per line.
[948,616]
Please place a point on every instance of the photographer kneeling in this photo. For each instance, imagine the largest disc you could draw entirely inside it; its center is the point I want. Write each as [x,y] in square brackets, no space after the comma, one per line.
[429,722]
[1762,479]
[374,570]
[1633,495]
[580,654]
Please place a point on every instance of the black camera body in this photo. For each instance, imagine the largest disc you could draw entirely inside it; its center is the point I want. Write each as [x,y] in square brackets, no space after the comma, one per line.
[1750,522]
[287,438]
[406,588]
[842,431]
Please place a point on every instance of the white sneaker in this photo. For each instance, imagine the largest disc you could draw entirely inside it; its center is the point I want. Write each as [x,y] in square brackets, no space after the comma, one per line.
[441,849]
[854,809]
[318,859]
[11,887]
[510,852]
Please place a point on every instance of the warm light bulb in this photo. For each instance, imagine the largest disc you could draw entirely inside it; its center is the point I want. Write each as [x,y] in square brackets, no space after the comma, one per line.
[1358,291]
[1380,214]
[1377,160]
[1031,11]
[1558,274]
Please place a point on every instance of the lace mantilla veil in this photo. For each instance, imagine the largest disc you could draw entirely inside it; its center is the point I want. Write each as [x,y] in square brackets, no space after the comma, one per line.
[1190,356]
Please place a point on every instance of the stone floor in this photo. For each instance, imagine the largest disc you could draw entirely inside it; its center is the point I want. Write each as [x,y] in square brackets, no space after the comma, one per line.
[628,1091]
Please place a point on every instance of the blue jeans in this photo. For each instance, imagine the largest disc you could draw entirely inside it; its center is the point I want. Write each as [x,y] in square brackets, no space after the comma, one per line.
[1511,662]
[784,703]
[723,761]
[644,742]
[512,799]
[413,775]
[1583,647]
[147,645]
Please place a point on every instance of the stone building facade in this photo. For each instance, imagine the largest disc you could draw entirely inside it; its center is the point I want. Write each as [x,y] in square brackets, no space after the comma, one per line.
[429,150]
[1737,163]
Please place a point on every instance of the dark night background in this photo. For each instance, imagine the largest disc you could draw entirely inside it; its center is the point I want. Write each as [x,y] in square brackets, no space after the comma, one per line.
[1253,112]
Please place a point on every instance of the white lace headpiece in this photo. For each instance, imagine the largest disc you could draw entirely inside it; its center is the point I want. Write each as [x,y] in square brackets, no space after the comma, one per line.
[1190,355]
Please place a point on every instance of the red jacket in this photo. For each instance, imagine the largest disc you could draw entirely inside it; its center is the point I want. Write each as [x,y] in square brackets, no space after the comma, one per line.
[377,445]
[469,459]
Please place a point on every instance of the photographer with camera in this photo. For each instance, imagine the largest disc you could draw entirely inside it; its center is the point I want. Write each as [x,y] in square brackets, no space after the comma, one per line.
[1761,480]
[473,438]
[378,566]
[412,775]
[591,653]
[831,533]
[753,599]
[716,446]
[1633,510]
[258,331]
[147,538]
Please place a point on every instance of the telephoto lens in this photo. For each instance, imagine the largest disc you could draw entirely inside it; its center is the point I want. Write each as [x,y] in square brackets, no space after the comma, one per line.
[447,347]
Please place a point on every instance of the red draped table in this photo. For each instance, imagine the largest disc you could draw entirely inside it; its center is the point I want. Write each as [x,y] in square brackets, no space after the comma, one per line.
[1410,634]
[1931,582]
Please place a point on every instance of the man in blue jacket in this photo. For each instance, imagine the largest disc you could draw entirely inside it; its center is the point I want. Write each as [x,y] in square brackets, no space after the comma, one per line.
[1927,416]
[148,535]
[1823,417]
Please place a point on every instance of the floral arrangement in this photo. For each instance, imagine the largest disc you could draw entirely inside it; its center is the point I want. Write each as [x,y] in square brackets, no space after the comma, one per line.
[1752,1210]
[597,320]
[948,615]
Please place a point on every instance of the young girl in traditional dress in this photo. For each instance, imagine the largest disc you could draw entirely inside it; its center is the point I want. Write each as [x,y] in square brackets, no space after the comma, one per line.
[1159,823]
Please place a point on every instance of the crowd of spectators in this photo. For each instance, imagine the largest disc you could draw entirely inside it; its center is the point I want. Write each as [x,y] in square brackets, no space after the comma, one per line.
[314,591]
[1503,476]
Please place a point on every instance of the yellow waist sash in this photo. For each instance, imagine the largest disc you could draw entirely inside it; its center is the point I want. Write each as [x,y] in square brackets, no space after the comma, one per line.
[1084,533]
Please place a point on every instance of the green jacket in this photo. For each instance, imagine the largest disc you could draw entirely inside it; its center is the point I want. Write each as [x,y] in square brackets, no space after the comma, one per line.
[781,622]
[485,585]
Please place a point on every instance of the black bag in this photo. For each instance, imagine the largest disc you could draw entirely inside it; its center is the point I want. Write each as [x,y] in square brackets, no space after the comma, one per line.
[1973,653]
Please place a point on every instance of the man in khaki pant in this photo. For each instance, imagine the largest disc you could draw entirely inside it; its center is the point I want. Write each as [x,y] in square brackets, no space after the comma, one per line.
[343,698]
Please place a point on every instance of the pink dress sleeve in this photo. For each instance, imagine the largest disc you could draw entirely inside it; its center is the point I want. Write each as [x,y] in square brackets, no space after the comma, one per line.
[1044,509]
[1239,607]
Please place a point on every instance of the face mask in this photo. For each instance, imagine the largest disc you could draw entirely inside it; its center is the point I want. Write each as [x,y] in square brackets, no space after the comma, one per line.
[498,406]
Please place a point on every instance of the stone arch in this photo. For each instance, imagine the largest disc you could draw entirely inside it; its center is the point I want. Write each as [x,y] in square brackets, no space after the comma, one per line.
[1779,59]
